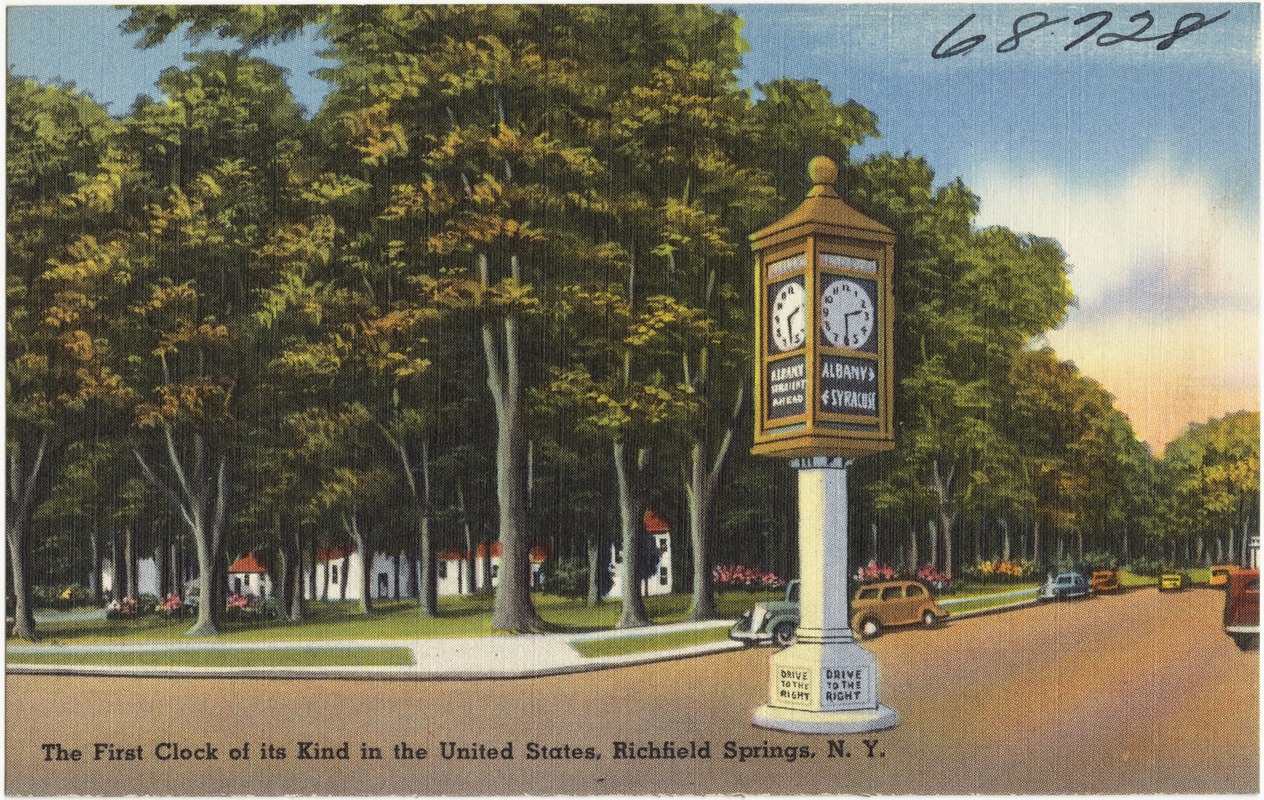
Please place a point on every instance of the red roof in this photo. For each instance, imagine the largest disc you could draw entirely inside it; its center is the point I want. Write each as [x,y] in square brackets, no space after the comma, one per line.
[654,523]
[248,563]
[333,553]
[540,553]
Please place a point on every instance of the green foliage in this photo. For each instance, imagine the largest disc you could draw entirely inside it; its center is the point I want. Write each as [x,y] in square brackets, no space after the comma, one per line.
[566,577]
[1149,567]
[1099,559]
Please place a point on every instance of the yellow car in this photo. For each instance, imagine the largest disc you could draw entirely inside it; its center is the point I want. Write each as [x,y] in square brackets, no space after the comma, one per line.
[1173,581]
[1220,574]
[879,605]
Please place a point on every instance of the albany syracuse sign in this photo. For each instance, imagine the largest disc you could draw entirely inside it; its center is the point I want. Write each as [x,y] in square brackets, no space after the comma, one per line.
[823,322]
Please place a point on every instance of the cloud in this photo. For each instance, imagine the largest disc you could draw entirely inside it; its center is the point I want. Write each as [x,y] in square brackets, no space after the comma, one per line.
[1166,272]
[1161,240]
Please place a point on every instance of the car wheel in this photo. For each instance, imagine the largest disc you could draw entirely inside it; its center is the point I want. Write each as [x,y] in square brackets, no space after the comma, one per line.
[869,628]
[929,619]
[1247,641]
[783,633]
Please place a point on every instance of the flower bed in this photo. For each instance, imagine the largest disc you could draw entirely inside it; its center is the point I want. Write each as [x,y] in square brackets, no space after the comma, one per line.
[1000,571]
[738,576]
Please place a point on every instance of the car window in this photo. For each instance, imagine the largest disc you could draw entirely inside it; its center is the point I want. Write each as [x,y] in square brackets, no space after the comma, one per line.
[1252,586]
[892,593]
[914,590]
[868,594]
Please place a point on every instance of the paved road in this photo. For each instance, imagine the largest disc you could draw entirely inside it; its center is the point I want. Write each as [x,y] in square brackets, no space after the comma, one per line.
[1139,693]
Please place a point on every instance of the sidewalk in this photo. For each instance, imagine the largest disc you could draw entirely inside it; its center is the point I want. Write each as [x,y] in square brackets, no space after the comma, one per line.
[522,656]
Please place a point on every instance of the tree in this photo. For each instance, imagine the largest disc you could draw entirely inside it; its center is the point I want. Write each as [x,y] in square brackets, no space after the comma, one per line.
[215,149]
[617,392]
[967,301]
[1210,483]
[57,270]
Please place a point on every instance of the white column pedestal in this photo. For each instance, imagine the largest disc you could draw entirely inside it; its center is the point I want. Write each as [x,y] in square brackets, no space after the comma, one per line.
[825,682]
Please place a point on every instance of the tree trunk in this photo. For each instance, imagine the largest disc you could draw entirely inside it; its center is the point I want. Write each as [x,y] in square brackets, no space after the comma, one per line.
[946,518]
[632,468]
[593,545]
[202,501]
[177,562]
[351,522]
[1035,538]
[132,558]
[702,487]
[18,508]
[467,563]
[298,606]
[933,554]
[94,573]
[513,609]
[1004,525]
[914,566]
[344,579]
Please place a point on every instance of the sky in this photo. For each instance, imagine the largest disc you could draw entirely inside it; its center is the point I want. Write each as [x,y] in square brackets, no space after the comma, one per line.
[1143,163]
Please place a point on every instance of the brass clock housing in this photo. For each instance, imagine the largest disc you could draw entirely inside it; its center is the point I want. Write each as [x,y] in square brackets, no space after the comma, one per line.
[824,382]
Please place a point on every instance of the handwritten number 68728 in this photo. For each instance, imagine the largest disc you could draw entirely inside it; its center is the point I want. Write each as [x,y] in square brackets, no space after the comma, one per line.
[1031,22]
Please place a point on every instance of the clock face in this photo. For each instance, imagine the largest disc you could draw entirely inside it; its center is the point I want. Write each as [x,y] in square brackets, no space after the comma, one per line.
[788,316]
[848,318]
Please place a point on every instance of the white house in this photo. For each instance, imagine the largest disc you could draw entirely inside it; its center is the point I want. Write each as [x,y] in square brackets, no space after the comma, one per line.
[458,573]
[247,575]
[657,536]
[337,568]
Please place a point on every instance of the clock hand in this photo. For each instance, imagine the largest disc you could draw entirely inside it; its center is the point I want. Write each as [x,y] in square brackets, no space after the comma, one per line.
[847,325]
[789,322]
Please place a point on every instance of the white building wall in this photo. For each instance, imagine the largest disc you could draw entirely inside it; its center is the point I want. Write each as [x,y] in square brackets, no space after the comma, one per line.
[659,581]
[252,583]
[146,576]
[346,571]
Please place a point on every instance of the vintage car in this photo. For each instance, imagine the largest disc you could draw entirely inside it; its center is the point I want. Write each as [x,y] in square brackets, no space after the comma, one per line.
[771,622]
[1173,580]
[874,606]
[881,605]
[1242,608]
[1065,586]
[1220,574]
[1104,580]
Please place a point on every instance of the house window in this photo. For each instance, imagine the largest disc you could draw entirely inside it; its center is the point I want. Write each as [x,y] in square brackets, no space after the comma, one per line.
[495,571]
[442,569]
[662,576]
[333,573]
[662,544]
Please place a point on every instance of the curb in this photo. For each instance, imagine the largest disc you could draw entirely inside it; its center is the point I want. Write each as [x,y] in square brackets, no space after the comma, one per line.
[565,659]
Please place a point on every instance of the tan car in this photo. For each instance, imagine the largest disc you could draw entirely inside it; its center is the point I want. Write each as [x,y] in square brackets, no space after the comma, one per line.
[881,605]
[1220,574]
[1104,580]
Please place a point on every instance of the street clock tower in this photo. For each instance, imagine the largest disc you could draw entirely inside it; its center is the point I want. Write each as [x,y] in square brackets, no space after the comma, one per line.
[824,395]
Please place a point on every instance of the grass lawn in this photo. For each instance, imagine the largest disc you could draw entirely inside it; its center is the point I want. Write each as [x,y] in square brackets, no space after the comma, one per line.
[965,589]
[269,657]
[625,645]
[1131,580]
[466,615]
